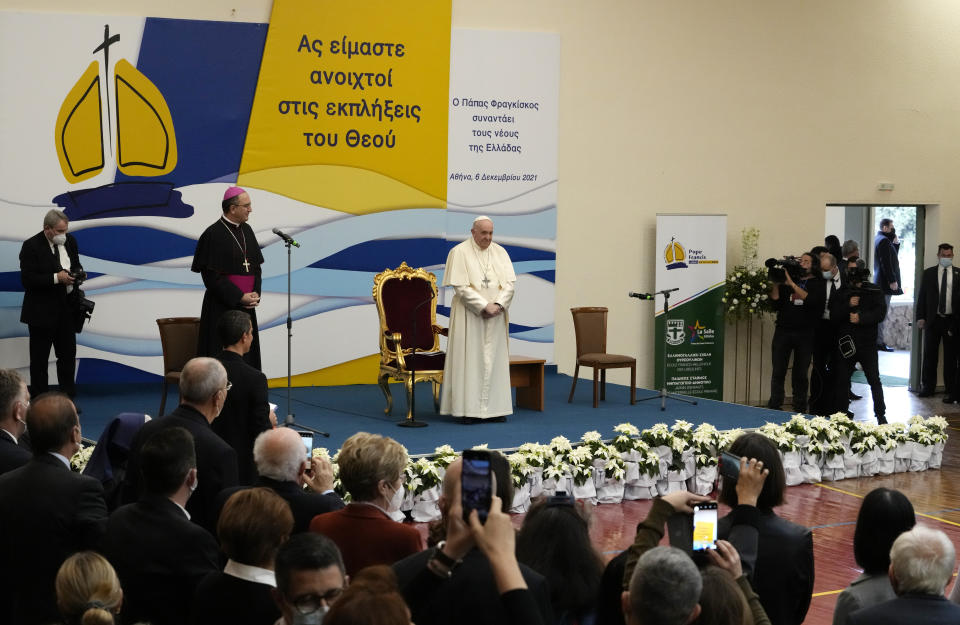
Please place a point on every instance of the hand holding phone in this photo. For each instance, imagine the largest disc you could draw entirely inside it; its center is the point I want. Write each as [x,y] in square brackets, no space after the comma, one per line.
[729,466]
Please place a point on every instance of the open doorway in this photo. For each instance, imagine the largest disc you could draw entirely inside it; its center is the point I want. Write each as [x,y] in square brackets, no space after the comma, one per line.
[862,223]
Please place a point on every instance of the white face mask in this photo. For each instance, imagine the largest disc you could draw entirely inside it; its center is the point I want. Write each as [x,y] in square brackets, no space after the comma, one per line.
[393,507]
[59,239]
[313,618]
[945,262]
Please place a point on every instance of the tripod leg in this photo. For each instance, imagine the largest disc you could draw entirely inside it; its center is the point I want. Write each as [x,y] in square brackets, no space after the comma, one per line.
[573,387]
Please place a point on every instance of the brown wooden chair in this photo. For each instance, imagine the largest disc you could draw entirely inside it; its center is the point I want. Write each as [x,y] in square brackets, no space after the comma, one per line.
[178,339]
[590,325]
[406,300]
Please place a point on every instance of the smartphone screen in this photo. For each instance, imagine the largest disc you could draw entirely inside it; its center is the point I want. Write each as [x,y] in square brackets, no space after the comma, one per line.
[307,438]
[705,526]
[475,483]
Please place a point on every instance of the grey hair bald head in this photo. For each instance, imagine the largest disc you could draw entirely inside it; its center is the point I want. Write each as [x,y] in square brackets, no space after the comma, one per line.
[665,587]
[53,217]
[201,378]
[922,560]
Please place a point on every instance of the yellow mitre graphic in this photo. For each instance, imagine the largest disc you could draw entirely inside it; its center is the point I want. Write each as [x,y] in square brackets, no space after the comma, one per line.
[146,144]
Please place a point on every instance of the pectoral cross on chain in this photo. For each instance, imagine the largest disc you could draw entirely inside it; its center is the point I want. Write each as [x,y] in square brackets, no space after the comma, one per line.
[485,282]
[246,265]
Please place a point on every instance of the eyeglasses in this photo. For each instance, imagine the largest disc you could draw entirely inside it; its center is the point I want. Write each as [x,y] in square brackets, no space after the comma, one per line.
[306,604]
[227,388]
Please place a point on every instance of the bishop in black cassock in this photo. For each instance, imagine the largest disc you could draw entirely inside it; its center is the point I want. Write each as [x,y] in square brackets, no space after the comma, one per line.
[229,259]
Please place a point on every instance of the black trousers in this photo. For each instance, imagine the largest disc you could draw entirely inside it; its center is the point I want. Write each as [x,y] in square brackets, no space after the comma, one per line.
[64,342]
[822,395]
[800,343]
[867,357]
[934,330]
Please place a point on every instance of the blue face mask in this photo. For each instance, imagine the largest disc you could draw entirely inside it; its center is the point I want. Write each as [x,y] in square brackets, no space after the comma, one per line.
[945,262]
[827,275]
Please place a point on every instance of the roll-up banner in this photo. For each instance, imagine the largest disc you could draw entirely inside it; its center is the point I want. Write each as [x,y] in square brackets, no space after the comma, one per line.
[691,256]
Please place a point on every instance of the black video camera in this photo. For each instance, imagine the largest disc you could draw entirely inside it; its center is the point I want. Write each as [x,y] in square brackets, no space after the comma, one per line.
[81,307]
[778,268]
[858,273]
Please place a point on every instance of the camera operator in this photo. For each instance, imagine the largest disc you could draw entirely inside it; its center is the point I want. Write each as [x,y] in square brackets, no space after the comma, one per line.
[859,308]
[48,301]
[825,340]
[799,303]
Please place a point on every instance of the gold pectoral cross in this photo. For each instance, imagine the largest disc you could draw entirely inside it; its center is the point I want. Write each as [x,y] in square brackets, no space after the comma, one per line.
[246,265]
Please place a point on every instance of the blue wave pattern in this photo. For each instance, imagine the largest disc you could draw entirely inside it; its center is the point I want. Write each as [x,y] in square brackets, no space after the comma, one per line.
[334,268]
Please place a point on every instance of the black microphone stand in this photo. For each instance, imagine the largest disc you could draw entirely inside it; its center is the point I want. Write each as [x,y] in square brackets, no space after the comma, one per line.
[412,421]
[290,418]
[663,395]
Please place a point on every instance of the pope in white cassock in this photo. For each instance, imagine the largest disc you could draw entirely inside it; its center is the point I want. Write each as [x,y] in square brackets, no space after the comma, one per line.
[476,375]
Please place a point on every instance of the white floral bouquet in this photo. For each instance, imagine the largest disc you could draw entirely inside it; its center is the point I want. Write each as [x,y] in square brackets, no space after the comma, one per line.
[520,472]
[423,487]
[79,460]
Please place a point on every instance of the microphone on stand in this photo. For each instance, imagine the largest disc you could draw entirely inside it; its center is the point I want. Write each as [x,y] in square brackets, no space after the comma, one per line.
[289,422]
[286,237]
[642,295]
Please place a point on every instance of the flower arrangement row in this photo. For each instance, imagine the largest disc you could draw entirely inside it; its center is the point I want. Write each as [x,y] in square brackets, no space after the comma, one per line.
[642,464]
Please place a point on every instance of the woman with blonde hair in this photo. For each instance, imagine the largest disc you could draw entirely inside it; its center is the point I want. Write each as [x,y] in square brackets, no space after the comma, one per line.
[371,469]
[88,590]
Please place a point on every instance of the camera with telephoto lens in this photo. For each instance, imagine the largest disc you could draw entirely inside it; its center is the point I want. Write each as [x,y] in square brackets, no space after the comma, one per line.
[778,268]
[81,307]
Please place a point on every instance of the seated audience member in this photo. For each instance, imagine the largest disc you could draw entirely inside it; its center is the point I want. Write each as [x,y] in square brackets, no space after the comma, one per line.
[371,470]
[555,542]
[158,553]
[721,600]
[284,468]
[203,391]
[246,413]
[664,589]
[310,577]
[472,576]
[88,591]
[921,566]
[253,525]
[108,463]
[742,535]
[47,512]
[14,401]
[884,515]
[783,573]
[371,599]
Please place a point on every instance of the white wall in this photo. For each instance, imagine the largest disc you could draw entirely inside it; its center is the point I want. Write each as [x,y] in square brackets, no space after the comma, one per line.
[762,109]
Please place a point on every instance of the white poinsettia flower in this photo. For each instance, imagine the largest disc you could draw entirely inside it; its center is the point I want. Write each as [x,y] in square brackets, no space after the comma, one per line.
[591,437]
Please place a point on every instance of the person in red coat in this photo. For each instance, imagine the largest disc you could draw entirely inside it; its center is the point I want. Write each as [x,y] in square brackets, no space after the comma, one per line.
[371,469]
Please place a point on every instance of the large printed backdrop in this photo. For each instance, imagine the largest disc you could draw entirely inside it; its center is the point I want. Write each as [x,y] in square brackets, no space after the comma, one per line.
[184,108]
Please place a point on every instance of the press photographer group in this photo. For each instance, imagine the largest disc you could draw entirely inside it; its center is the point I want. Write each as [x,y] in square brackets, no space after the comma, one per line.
[828,316]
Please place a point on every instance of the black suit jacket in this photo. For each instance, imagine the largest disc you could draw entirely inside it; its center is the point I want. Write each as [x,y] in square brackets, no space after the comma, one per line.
[216,463]
[928,296]
[226,600]
[304,504]
[160,558]
[12,455]
[47,513]
[245,414]
[913,609]
[469,597]
[43,301]
[783,574]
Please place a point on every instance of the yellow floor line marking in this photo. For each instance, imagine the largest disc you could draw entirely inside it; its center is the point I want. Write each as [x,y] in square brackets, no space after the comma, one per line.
[827,593]
[926,516]
[840,490]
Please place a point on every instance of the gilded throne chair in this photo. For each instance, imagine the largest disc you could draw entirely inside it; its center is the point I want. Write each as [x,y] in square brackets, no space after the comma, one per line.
[406,300]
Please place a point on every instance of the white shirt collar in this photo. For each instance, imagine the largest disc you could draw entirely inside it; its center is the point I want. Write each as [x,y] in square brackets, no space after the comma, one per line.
[230,222]
[250,573]
[10,434]
[181,508]
[63,459]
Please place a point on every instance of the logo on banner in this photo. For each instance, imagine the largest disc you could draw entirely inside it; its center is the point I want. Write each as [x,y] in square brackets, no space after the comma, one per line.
[700,334]
[674,255]
[676,334]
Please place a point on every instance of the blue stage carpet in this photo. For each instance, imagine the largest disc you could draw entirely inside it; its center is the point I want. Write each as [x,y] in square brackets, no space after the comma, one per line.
[345,410]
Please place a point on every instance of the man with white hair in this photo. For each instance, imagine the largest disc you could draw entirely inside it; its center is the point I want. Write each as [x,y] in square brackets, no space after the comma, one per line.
[284,468]
[476,373]
[921,566]
[203,391]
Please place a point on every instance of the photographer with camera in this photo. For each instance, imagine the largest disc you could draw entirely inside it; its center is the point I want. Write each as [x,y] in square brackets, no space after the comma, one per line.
[51,273]
[859,308]
[799,304]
